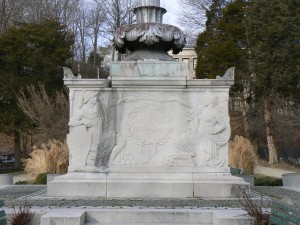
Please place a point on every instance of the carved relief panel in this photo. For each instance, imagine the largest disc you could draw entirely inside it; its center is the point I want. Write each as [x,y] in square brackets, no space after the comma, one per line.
[126,128]
[91,136]
[148,129]
[204,143]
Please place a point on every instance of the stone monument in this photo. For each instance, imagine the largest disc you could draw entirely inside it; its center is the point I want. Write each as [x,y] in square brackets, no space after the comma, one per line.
[149,131]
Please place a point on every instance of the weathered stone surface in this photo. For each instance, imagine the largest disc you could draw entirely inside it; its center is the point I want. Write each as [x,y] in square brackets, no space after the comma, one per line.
[6,179]
[138,216]
[148,136]
[291,180]
[63,217]
[151,69]
[149,39]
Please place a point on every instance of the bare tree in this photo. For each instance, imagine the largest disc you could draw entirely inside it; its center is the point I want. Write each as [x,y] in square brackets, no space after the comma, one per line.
[48,114]
[37,10]
[95,21]
[119,13]
[192,18]
[10,12]
[4,14]
[82,30]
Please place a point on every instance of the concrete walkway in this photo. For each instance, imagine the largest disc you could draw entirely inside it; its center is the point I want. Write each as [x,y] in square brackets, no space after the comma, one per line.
[271,172]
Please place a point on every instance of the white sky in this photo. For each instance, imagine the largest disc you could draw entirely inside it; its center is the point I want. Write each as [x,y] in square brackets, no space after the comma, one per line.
[172,7]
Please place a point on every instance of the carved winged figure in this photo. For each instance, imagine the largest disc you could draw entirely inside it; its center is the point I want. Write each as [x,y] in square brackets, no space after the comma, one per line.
[94,117]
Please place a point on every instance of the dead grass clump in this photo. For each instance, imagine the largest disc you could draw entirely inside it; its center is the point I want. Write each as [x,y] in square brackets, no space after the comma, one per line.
[242,155]
[57,157]
[52,157]
[36,164]
[23,216]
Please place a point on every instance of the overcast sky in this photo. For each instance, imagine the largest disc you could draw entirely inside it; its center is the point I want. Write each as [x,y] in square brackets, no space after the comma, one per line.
[172,7]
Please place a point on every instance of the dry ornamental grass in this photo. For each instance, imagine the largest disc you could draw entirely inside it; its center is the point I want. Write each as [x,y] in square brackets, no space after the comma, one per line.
[242,155]
[52,157]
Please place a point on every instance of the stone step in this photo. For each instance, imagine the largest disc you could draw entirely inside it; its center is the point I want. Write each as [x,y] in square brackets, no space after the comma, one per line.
[150,216]
[92,223]
[154,216]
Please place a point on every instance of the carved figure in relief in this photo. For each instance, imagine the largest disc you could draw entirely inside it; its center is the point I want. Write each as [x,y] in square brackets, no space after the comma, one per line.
[209,131]
[92,115]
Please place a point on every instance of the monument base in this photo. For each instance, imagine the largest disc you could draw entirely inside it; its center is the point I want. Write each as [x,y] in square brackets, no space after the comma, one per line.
[148,183]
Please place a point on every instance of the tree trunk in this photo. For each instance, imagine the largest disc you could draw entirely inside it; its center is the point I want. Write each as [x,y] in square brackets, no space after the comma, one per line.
[273,152]
[113,53]
[244,109]
[17,164]
[95,49]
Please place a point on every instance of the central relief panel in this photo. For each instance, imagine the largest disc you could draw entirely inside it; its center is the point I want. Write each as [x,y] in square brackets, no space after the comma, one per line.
[149,125]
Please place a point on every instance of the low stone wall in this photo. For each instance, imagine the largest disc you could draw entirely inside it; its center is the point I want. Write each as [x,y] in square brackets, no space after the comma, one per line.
[6,179]
[291,180]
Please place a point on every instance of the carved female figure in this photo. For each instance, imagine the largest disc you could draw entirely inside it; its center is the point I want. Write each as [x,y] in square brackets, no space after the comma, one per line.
[209,131]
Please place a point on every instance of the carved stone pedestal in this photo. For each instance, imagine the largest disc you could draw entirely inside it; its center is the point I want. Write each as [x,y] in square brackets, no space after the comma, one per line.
[145,136]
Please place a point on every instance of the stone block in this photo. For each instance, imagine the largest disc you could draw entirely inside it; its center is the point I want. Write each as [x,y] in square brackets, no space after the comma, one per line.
[232,217]
[6,179]
[149,69]
[78,185]
[291,180]
[149,185]
[64,217]
[149,82]
[50,177]
[150,216]
[218,186]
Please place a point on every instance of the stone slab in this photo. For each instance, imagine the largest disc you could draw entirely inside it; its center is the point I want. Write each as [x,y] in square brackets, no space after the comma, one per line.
[232,217]
[209,82]
[149,82]
[217,185]
[143,223]
[78,185]
[149,69]
[64,217]
[291,180]
[137,215]
[150,216]
[199,169]
[88,83]
[149,185]
[6,179]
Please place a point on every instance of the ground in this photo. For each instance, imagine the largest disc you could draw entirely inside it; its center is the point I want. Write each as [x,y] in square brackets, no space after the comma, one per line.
[280,165]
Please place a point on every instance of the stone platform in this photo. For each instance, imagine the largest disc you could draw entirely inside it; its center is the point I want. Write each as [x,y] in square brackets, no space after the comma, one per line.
[167,183]
[138,216]
[100,211]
